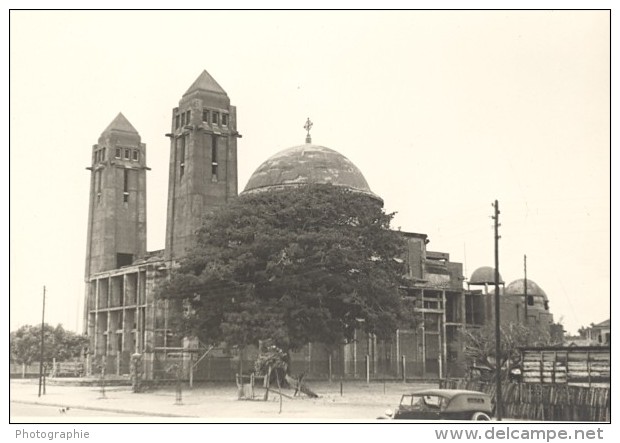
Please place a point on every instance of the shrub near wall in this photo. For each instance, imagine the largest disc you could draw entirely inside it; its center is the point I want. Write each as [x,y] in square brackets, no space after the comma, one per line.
[537,402]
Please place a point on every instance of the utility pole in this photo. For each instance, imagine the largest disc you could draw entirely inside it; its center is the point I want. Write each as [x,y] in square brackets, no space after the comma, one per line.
[42,344]
[525,287]
[498,365]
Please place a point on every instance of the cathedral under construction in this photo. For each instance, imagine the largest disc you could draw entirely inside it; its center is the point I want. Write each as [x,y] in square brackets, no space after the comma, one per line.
[124,315]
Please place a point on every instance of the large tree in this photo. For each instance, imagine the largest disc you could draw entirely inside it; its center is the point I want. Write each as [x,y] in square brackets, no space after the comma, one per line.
[479,344]
[308,264]
[25,344]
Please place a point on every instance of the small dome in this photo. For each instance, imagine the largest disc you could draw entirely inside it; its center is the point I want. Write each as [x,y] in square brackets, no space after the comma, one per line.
[517,288]
[484,275]
[308,164]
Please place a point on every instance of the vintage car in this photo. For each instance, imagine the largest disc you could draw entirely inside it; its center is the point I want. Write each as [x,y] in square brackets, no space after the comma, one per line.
[443,404]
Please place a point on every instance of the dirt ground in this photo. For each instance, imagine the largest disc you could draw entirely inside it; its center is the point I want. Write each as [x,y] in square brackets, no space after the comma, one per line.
[218,402]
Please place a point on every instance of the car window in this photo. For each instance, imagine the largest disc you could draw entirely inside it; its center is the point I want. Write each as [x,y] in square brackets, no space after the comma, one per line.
[412,400]
[432,401]
[476,400]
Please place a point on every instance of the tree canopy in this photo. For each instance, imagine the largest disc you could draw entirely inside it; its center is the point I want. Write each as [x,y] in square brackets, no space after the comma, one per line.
[308,264]
[60,344]
[479,344]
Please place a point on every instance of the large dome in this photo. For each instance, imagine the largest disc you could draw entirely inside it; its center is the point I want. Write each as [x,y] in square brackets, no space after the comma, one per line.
[484,275]
[308,164]
[517,288]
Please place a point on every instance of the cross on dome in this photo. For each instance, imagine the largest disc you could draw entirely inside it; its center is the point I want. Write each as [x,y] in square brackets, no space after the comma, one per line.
[307,127]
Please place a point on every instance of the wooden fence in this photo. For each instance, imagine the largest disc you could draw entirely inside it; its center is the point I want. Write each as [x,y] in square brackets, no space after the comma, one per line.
[583,366]
[540,402]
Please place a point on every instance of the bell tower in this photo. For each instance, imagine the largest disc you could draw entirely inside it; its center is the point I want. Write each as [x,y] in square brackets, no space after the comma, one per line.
[203,160]
[117,209]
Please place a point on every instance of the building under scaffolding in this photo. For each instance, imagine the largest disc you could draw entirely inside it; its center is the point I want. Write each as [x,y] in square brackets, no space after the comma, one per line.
[124,315]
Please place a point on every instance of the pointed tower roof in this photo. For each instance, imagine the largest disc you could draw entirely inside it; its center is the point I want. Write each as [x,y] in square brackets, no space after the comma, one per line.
[205,82]
[120,123]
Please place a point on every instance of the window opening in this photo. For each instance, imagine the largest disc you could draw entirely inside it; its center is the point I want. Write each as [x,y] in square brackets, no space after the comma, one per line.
[117,154]
[135,155]
[125,185]
[126,154]
[177,121]
[181,141]
[205,115]
[224,119]
[188,117]
[183,119]
[98,184]
[216,117]
[123,259]
[214,157]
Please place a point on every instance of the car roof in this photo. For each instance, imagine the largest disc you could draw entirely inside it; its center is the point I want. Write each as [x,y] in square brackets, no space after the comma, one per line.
[448,393]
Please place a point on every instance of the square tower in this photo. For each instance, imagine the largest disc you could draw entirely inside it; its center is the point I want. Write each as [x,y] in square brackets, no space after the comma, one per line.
[117,209]
[203,161]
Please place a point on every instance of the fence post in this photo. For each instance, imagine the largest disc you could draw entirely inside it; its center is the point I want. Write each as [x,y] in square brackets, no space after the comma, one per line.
[397,352]
[102,379]
[404,365]
[367,358]
[191,370]
[178,399]
[588,369]
[329,364]
[251,385]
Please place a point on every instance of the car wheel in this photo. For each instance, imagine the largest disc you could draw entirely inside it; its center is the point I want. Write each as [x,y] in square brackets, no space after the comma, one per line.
[480,416]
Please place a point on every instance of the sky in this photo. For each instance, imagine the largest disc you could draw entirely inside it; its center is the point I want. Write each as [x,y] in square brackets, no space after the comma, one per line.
[442,111]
